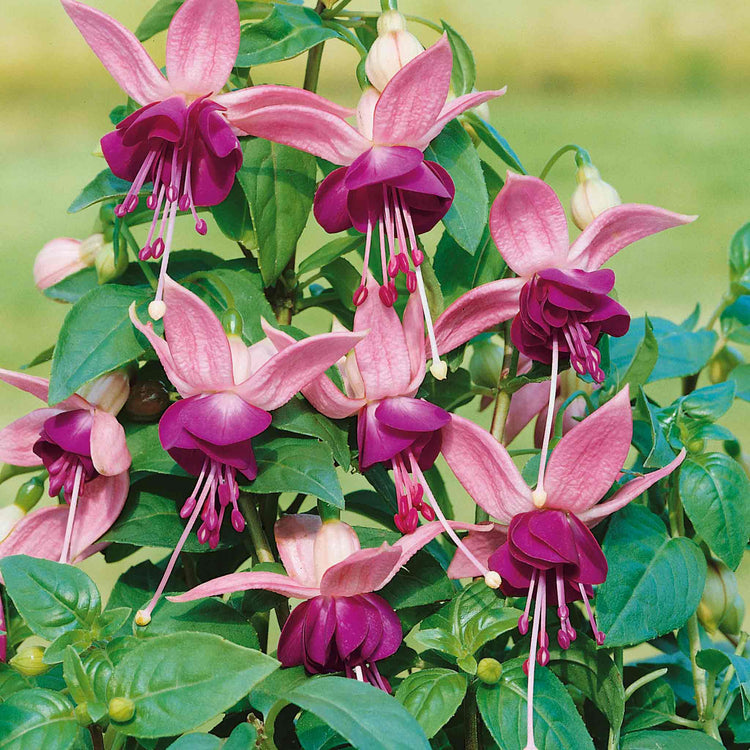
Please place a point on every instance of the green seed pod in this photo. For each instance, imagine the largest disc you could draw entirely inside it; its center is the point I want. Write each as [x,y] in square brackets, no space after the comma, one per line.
[121,709]
[486,364]
[232,321]
[29,494]
[489,671]
[28,661]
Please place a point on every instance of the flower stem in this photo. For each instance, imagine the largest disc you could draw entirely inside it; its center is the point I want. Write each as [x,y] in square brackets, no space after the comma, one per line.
[388,5]
[471,724]
[97,738]
[314,57]
[582,157]
[638,684]
[333,12]
[721,705]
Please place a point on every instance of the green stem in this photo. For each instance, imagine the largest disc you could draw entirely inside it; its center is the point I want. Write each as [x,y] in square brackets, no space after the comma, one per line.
[699,675]
[147,272]
[674,505]
[471,723]
[722,705]
[638,684]
[681,722]
[328,512]
[333,12]
[726,300]
[118,742]
[613,741]
[254,526]
[97,738]
[582,157]
[388,5]
[314,57]
[8,471]
[216,281]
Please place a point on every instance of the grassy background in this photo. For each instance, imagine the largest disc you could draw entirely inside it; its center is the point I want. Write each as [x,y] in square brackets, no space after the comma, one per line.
[655,90]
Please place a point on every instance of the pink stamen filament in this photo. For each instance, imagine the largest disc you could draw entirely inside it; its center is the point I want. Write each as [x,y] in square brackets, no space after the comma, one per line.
[598,635]
[523,620]
[360,295]
[548,424]
[539,605]
[65,553]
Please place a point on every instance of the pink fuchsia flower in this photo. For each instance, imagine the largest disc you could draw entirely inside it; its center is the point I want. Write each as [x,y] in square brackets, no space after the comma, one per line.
[342,625]
[82,446]
[228,390]
[384,180]
[542,546]
[563,303]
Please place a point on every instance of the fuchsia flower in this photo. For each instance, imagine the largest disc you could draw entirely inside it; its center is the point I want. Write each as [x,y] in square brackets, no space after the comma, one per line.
[342,625]
[542,546]
[228,390]
[385,181]
[83,448]
[563,302]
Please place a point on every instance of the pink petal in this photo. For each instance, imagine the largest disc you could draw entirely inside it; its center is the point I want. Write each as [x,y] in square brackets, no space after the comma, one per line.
[120,53]
[526,403]
[275,582]
[412,100]
[410,544]
[196,339]
[587,460]
[293,368]
[413,325]
[485,469]
[454,108]
[528,225]
[58,259]
[315,131]
[38,387]
[476,311]
[202,45]
[109,451]
[18,438]
[361,573]
[295,538]
[482,544]
[617,228]
[629,492]
[382,357]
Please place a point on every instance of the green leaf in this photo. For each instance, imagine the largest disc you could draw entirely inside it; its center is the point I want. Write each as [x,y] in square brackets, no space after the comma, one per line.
[41,358]
[35,719]
[274,688]
[741,377]
[649,706]
[421,581]
[467,216]
[657,450]
[739,258]
[53,598]
[438,640]
[76,679]
[314,734]
[557,724]
[716,494]
[330,251]
[496,143]
[366,717]
[242,738]
[79,639]
[709,402]
[279,183]
[297,465]
[175,685]
[644,360]
[232,216]
[11,681]
[716,661]
[654,582]
[677,739]
[104,186]
[343,278]
[464,73]
[148,456]
[432,696]
[287,32]
[735,320]
[96,337]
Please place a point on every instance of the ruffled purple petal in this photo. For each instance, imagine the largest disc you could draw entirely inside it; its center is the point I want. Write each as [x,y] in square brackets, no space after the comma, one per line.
[411,414]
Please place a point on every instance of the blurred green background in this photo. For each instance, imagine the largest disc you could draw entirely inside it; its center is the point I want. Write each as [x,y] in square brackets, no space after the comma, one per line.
[656,90]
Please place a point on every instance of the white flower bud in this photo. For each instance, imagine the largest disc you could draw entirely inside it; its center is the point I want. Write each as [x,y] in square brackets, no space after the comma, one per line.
[109,392]
[592,197]
[394,48]
[334,542]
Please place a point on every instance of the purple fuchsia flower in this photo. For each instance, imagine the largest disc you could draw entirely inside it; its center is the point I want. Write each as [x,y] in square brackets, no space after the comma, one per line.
[564,305]
[82,446]
[384,181]
[381,378]
[542,546]
[342,625]
[228,390]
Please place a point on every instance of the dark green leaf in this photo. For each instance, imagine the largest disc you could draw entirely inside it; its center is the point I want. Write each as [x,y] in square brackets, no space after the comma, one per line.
[654,582]
[735,320]
[644,360]
[464,73]
[232,216]
[557,724]
[432,696]
[314,734]
[330,251]
[287,32]
[716,661]
[53,598]
[741,377]
[343,278]
[467,216]
[36,719]
[40,358]
[656,448]
[11,681]
[147,454]
[739,258]
[677,739]
[491,138]
[450,393]
[197,741]
[276,687]
[176,686]
[103,187]
[97,337]
[649,706]
[709,402]
[716,494]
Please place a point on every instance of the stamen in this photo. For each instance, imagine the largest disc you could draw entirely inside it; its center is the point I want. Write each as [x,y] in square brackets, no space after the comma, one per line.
[542,655]
[358,672]
[539,496]
[65,553]
[523,620]
[563,636]
[597,633]
[360,295]
[531,666]
[157,308]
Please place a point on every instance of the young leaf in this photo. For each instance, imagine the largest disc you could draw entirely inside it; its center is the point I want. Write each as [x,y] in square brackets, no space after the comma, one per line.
[655,582]
[739,259]
[644,360]
[649,706]
[53,598]
[496,143]
[104,186]
[432,696]
[330,251]
[464,73]
[39,718]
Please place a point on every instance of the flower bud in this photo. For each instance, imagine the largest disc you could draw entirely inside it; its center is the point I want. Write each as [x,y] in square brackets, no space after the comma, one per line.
[121,709]
[29,494]
[107,266]
[334,542]
[64,256]
[489,671]
[108,392]
[486,364]
[393,49]
[592,197]
[718,597]
[734,616]
[722,363]
[28,661]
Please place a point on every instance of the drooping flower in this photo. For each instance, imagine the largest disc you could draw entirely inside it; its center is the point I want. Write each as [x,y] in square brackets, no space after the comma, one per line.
[564,302]
[228,390]
[384,182]
[342,625]
[183,138]
[542,546]
[82,446]
[381,377]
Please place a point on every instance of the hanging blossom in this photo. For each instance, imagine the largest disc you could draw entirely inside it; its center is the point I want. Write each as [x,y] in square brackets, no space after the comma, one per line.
[564,303]
[385,184]
[228,390]
[542,546]
[82,446]
[381,378]
[183,138]
[342,625]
